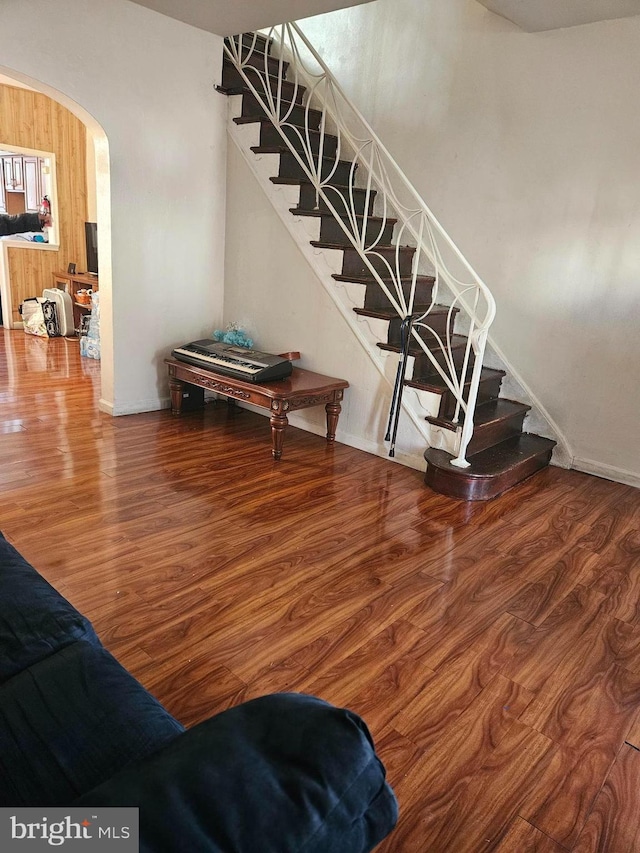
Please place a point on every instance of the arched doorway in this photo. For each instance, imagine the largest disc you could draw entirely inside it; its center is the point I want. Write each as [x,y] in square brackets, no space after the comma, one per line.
[54,123]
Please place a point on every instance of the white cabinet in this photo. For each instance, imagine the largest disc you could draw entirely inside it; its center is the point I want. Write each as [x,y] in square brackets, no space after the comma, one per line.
[13,174]
[22,186]
[32,174]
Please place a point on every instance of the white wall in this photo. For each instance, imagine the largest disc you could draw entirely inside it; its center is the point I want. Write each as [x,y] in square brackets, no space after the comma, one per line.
[147,80]
[527,148]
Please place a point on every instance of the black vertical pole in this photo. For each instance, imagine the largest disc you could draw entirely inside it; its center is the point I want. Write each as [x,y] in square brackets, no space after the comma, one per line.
[396,401]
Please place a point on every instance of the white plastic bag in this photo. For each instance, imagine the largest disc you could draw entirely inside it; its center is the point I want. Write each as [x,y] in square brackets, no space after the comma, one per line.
[33,317]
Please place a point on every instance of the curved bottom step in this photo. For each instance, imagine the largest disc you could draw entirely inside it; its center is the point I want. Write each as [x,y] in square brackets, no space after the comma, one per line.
[492,471]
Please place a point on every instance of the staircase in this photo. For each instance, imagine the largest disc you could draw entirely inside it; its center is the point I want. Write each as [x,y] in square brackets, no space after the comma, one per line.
[499,454]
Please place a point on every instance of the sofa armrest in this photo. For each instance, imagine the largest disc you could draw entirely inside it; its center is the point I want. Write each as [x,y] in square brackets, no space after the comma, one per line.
[283,773]
[35,620]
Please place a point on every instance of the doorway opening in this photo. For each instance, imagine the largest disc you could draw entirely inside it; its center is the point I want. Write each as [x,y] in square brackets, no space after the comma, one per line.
[73,166]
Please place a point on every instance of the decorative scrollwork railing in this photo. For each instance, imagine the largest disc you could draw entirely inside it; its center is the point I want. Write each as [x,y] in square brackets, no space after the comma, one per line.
[306,104]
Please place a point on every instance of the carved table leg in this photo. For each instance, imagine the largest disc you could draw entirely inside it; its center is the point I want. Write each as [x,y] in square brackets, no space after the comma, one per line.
[333,410]
[278,422]
[175,386]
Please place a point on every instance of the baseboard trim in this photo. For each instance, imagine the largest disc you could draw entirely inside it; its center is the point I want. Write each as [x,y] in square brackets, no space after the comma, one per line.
[156,404]
[608,472]
[297,419]
[381,450]
[153,405]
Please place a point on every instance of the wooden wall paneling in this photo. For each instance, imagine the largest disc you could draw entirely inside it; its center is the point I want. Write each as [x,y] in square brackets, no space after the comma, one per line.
[23,117]
[32,120]
[43,110]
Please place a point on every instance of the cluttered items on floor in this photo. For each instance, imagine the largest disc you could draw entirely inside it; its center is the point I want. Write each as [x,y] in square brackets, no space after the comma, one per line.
[51,316]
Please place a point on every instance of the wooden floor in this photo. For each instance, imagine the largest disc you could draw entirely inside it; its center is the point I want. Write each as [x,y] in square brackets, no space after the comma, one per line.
[493,648]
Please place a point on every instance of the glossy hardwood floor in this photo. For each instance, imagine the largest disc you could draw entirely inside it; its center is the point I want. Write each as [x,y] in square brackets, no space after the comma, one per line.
[493,648]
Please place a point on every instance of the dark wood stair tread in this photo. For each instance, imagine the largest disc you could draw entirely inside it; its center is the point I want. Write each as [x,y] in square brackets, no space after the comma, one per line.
[390,314]
[375,296]
[305,183]
[492,471]
[487,414]
[241,88]
[457,342]
[436,384]
[298,182]
[387,248]
[497,459]
[266,121]
[406,279]
[284,149]
[263,119]
[301,211]
[250,57]
[252,118]
[251,39]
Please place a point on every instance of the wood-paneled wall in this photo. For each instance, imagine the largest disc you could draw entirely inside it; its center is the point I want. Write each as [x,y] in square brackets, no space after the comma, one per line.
[31,120]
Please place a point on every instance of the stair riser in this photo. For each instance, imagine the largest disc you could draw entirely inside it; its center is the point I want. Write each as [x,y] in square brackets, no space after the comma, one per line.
[297,116]
[335,194]
[353,264]
[454,485]
[487,390]
[331,232]
[261,45]
[423,367]
[376,299]
[269,136]
[487,435]
[232,79]
[438,324]
[255,59]
[290,168]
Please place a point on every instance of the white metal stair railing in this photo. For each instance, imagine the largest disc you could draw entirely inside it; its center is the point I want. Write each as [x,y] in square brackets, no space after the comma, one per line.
[296,64]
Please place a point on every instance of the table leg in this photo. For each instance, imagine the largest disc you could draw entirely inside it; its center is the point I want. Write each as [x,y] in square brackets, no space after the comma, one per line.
[175,386]
[278,422]
[333,410]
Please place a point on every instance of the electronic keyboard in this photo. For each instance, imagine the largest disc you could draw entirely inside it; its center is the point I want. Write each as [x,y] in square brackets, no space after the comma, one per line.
[249,364]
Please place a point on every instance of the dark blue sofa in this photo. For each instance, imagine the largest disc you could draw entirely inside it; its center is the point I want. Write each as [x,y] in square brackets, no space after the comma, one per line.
[283,773]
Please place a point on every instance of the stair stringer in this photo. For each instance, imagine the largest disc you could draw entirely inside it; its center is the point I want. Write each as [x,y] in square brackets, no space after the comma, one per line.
[417,404]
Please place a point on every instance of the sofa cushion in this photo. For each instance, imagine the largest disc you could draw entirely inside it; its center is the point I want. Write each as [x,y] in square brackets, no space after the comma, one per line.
[69,722]
[283,773]
[35,620]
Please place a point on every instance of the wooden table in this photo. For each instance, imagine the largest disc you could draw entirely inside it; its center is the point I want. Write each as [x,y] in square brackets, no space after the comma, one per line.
[302,390]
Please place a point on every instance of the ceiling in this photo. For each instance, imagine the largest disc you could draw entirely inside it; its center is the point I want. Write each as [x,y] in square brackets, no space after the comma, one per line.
[229,17]
[537,15]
